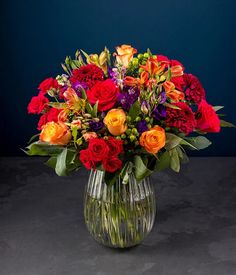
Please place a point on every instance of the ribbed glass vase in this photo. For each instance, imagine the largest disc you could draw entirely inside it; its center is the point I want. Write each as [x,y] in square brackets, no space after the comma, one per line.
[120,215]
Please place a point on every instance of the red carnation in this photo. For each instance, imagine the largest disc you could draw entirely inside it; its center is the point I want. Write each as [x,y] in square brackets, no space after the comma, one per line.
[182,119]
[179,82]
[51,115]
[87,74]
[105,92]
[115,146]
[47,84]
[207,119]
[86,159]
[112,164]
[194,91]
[98,149]
[37,104]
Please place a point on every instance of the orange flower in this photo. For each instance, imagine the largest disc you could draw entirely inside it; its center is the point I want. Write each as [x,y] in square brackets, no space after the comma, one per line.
[153,139]
[55,133]
[124,54]
[176,70]
[115,122]
[172,93]
[89,135]
[153,67]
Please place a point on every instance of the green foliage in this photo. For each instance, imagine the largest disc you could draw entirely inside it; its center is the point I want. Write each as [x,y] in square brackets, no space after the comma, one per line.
[140,168]
[135,110]
[39,148]
[224,123]
[199,142]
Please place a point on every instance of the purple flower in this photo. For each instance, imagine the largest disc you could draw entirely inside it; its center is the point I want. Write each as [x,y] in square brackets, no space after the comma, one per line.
[96,126]
[77,86]
[128,96]
[142,126]
[162,97]
[159,112]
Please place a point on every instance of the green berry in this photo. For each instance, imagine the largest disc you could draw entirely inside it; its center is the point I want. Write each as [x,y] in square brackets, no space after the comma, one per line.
[146,55]
[128,132]
[128,118]
[118,137]
[140,56]
[132,138]
[147,119]
[135,61]
[123,136]
[149,126]
[137,119]
[135,131]
[140,70]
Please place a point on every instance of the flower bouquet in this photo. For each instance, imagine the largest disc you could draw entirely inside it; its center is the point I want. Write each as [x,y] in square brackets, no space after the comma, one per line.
[123,117]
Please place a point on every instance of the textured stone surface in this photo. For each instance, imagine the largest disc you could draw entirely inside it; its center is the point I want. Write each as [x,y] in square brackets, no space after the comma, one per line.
[42,229]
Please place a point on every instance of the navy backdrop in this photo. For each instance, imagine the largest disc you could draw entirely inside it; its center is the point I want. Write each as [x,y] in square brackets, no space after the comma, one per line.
[36,36]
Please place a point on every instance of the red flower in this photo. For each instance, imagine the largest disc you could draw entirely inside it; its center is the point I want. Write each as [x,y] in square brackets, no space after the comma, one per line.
[37,104]
[193,89]
[115,146]
[207,119]
[105,92]
[176,63]
[179,82]
[87,74]
[98,149]
[51,115]
[112,164]
[86,159]
[47,84]
[163,59]
[182,119]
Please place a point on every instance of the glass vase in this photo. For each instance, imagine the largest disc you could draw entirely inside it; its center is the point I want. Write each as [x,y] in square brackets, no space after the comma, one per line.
[120,215]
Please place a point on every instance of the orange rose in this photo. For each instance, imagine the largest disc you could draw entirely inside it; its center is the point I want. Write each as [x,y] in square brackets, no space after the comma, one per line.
[115,122]
[153,139]
[124,54]
[55,133]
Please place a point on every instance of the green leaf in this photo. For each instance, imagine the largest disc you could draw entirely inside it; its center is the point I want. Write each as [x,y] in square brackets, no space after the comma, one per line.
[95,109]
[74,132]
[171,106]
[39,148]
[51,162]
[217,108]
[163,162]
[84,95]
[224,123]
[125,172]
[198,143]
[61,163]
[174,160]
[89,108]
[33,138]
[168,74]
[141,171]
[135,110]
[173,141]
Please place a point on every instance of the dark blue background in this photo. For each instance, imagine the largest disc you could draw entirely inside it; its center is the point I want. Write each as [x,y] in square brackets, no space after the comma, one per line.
[36,36]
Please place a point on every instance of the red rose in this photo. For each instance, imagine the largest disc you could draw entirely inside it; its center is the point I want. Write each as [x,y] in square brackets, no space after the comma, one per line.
[51,115]
[88,75]
[112,164]
[193,89]
[207,119]
[47,84]
[105,92]
[86,159]
[183,119]
[37,104]
[115,146]
[98,149]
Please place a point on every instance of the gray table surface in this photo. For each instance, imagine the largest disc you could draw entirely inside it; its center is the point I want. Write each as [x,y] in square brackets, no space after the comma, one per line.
[42,230]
